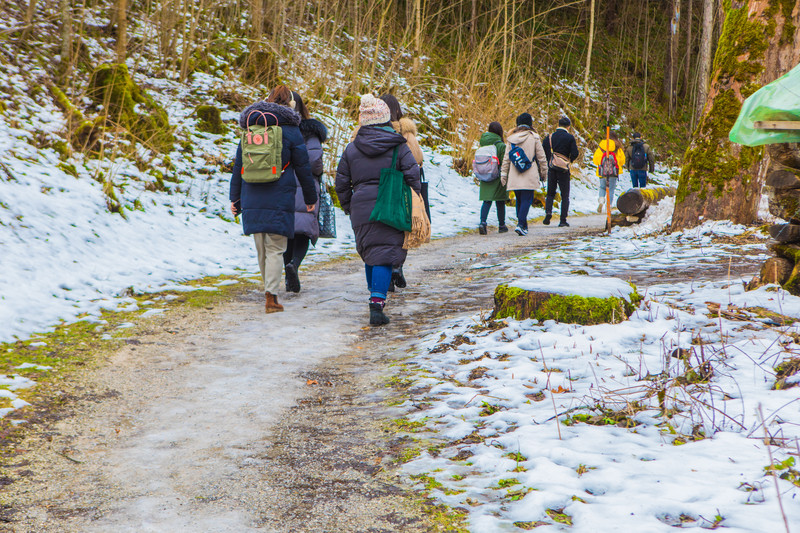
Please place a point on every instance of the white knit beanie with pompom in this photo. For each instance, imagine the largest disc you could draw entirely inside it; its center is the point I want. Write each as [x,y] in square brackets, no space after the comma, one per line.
[373,111]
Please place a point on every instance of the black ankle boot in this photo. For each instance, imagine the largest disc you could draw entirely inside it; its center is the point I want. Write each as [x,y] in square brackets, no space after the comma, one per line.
[398,279]
[376,316]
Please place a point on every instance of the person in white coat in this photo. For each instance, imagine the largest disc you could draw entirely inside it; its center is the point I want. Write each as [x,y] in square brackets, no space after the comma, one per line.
[523,166]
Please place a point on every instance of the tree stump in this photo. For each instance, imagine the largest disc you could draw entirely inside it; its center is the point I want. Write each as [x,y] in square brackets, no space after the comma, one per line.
[583,300]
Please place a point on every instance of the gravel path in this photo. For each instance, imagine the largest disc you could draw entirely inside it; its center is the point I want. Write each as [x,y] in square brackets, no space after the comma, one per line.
[206,420]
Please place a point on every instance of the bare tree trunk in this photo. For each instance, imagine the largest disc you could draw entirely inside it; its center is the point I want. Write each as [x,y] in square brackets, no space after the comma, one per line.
[722,180]
[704,63]
[122,30]
[473,22]
[256,19]
[65,8]
[30,12]
[588,56]
[688,60]
[417,34]
[671,59]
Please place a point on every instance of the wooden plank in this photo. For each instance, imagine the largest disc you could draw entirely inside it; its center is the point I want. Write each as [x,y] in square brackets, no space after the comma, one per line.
[777,124]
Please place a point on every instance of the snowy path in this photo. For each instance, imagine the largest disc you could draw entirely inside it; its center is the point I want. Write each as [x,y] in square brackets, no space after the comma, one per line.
[182,440]
[206,422]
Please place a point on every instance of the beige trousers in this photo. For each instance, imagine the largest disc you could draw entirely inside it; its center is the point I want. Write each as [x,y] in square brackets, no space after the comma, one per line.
[270,248]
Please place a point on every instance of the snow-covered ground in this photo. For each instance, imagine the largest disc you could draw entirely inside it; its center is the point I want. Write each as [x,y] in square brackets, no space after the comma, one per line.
[528,424]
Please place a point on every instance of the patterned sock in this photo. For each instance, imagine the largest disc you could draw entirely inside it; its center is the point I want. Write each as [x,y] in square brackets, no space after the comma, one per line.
[376,300]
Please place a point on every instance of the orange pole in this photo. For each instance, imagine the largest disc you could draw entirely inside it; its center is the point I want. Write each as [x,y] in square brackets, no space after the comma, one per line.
[608,183]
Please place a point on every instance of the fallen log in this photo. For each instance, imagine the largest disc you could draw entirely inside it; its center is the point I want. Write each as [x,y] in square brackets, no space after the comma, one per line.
[636,201]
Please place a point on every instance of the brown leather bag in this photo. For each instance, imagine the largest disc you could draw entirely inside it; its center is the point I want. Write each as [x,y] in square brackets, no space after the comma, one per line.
[557,161]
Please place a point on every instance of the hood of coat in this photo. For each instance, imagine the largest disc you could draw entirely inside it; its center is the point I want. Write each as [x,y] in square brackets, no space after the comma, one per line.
[637,141]
[610,147]
[373,141]
[312,127]
[520,135]
[488,138]
[286,116]
[405,126]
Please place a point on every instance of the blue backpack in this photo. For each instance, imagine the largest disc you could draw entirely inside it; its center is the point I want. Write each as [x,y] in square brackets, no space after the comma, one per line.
[518,158]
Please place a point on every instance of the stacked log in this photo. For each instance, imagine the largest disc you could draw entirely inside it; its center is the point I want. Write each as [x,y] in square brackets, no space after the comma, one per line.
[633,204]
[782,187]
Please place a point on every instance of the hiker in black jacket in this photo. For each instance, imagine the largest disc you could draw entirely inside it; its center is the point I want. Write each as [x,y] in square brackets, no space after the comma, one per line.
[560,149]
[638,159]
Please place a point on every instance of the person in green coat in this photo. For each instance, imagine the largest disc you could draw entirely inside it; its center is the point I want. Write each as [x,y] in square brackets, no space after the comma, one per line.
[493,191]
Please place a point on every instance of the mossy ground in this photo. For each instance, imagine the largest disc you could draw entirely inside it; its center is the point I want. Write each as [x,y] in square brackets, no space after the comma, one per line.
[130,107]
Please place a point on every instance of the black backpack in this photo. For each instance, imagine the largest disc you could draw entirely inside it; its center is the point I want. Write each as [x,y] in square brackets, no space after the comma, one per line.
[638,157]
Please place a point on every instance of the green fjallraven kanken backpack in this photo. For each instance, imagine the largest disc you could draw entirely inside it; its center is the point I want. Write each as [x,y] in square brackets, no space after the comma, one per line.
[261,151]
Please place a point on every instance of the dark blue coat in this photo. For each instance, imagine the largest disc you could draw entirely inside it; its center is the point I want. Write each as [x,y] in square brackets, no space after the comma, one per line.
[357,178]
[269,207]
[315,133]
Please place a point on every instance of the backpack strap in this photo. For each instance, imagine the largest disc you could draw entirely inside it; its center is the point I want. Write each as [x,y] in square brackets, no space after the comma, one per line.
[263,115]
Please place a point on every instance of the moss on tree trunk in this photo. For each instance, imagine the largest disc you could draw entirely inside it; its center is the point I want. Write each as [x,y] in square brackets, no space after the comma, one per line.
[720,179]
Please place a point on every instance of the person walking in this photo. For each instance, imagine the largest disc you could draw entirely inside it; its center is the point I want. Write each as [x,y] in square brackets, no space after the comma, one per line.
[614,154]
[638,159]
[267,207]
[522,168]
[405,127]
[358,174]
[561,150]
[306,224]
[493,191]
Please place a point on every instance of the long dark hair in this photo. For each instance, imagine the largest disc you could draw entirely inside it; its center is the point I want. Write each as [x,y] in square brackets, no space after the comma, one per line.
[300,106]
[394,107]
[496,128]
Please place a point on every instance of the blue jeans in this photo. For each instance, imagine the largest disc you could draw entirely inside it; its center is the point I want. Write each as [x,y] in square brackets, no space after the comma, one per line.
[501,212]
[378,279]
[524,201]
[612,188]
[639,178]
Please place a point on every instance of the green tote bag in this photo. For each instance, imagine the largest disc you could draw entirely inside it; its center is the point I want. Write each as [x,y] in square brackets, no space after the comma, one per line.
[393,205]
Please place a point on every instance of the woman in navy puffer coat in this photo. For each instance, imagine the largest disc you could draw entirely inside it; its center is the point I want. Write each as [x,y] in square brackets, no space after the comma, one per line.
[268,208]
[357,179]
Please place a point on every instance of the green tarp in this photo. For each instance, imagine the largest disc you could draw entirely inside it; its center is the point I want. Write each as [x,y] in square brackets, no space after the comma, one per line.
[778,101]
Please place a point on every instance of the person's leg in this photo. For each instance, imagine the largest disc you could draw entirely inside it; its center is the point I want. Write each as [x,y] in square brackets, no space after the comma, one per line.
[258,238]
[643,178]
[525,199]
[501,215]
[485,207]
[368,272]
[274,246]
[613,186]
[301,243]
[601,195]
[552,182]
[379,277]
[289,253]
[563,187]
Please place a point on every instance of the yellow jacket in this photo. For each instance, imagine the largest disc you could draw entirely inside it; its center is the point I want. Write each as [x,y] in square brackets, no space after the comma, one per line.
[598,155]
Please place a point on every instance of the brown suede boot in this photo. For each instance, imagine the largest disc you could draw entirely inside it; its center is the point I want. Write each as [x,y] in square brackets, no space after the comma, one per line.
[272,305]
